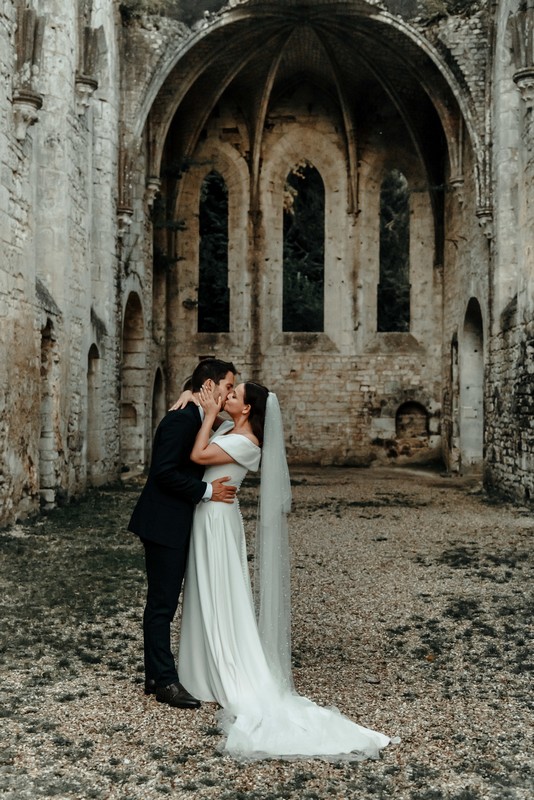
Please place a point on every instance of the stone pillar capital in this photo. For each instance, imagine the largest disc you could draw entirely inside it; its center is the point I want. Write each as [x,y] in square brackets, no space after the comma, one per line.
[26,104]
[85,88]
[485,220]
[153,187]
[124,220]
[457,185]
[524,80]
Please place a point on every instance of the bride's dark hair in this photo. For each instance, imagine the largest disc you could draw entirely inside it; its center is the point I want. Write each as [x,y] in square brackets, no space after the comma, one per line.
[256,396]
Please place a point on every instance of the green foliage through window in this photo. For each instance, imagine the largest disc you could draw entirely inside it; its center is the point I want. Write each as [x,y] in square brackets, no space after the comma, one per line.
[393,301]
[213,293]
[304,214]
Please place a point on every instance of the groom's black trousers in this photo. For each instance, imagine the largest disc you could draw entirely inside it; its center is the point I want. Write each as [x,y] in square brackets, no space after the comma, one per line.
[165,569]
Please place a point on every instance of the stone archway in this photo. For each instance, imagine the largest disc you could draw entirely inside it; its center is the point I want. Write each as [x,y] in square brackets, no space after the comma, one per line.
[454,424]
[411,421]
[132,442]
[471,374]
[94,414]
[349,91]
[49,450]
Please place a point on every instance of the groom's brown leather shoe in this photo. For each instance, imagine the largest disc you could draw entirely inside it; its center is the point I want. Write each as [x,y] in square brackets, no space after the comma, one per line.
[175,695]
[150,686]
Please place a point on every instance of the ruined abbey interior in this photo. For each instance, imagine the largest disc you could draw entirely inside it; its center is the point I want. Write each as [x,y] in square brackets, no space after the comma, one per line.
[337,195]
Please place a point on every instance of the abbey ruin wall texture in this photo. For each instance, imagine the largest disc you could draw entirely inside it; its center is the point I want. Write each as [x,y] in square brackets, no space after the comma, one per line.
[156,165]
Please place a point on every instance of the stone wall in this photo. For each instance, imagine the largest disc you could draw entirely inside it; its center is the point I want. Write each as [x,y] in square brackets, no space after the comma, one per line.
[19,365]
[509,463]
[340,389]
[58,295]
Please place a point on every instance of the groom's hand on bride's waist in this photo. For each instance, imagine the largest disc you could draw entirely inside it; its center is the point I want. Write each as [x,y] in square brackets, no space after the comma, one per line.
[222,492]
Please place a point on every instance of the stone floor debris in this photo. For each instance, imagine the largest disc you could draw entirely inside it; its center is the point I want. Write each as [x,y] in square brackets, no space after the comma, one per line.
[412,613]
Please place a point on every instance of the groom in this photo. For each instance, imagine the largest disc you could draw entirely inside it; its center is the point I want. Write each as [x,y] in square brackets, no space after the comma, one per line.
[162,518]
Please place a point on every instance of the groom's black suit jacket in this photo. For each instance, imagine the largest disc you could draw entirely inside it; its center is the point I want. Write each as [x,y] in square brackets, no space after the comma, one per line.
[164,512]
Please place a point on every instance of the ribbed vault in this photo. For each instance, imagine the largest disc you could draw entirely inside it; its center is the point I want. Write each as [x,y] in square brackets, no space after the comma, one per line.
[352,53]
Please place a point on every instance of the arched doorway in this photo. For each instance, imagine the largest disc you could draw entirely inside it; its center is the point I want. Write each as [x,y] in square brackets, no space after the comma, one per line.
[49,446]
[454,424]
[94,414]
[471,371]
[133,386]
[411,421]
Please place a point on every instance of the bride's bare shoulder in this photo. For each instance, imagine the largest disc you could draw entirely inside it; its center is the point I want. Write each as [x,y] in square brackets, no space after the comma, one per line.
[246,435]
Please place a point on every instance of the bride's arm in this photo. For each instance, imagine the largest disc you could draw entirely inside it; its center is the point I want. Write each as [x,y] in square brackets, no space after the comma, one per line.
[203,452]
[183,400]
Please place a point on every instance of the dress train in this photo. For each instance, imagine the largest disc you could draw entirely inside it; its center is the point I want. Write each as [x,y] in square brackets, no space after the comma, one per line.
[221,657]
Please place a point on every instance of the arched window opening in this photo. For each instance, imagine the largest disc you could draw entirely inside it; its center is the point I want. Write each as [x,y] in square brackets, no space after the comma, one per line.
[304,223]
[471,357]
[393,300]
[132,385]
[213,292]
[411,421]
[94,420]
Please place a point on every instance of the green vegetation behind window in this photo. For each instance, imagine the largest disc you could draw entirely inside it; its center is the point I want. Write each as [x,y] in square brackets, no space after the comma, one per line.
[213,293]
[304,214]
[393,301]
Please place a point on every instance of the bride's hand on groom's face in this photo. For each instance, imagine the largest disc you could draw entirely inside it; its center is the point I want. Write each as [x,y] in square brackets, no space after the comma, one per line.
[208,401]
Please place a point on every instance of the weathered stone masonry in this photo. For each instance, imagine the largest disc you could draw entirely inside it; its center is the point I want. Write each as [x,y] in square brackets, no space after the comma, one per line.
[111,116]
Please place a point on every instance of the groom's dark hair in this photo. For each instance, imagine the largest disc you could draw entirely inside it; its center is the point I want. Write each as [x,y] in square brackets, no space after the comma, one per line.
[212,368]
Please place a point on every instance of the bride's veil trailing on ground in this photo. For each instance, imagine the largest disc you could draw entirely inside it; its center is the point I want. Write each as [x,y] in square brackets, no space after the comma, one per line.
[272,567]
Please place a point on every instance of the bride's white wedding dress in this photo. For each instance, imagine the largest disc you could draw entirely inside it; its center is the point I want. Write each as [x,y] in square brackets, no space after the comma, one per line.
[221,657]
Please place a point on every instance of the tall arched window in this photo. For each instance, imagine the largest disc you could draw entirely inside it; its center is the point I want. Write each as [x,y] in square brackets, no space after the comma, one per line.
[304,215]
[94,416]
[213,293]
[133,384]
[471,356]
[393,301]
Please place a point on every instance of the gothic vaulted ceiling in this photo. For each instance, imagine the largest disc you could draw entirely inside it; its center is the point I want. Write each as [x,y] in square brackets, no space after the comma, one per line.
[345,50]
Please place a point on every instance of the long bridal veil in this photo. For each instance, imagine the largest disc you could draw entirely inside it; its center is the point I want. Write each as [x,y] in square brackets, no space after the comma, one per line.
[272,590]
[265,717]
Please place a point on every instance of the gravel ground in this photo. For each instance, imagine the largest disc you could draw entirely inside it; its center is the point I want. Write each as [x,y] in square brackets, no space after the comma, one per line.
[411,614]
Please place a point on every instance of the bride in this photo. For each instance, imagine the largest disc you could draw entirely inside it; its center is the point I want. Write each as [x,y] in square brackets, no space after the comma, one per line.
[228,654]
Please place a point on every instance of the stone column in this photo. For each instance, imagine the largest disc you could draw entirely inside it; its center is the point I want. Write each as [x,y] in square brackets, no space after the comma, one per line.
[522,404]
[524,79]
[523,51]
